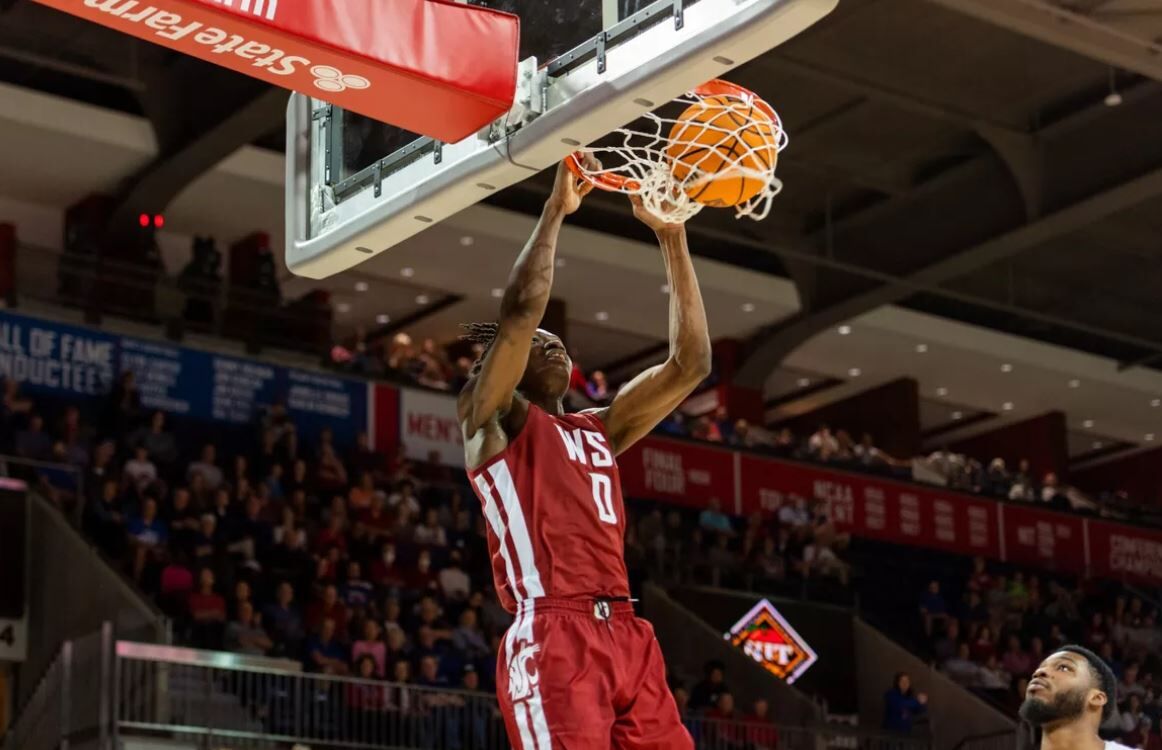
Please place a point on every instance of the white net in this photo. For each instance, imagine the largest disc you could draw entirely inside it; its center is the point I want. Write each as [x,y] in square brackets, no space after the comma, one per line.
[718,146]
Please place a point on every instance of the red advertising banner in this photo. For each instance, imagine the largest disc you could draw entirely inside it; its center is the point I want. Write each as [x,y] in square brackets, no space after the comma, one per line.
[1125,552]
[1044,539]
[678,472]
[875,508]
[373,57]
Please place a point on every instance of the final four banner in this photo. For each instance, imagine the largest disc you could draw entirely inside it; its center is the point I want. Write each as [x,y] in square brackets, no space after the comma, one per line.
[65,360]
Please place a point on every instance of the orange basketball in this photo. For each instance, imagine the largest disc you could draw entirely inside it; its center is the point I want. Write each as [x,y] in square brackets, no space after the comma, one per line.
[723,136]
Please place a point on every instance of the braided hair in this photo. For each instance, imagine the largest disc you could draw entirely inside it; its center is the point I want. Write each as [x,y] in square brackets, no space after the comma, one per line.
[483,334]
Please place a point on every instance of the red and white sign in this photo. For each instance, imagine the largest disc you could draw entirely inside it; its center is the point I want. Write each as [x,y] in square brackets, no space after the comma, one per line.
[1044,539]
[678,472]
[375,57]
[428,425]
[1125,552]
[875,508]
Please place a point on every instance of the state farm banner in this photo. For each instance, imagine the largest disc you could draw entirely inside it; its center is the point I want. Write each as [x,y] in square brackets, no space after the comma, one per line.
[875,508]
[428,425]
[1044,539]
[678,472]
[374,57]
[1125,552]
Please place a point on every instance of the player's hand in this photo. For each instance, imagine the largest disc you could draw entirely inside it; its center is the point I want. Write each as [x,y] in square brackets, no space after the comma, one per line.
[649,219]
[569,189]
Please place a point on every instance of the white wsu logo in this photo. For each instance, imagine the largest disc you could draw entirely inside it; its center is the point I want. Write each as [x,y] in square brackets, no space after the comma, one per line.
[522,673]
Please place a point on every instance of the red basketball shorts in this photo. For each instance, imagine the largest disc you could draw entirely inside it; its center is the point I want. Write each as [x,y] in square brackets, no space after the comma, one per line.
[584,675]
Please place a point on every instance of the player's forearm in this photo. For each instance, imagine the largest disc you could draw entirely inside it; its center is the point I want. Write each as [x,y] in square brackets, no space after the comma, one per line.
[690,346]
[531,280]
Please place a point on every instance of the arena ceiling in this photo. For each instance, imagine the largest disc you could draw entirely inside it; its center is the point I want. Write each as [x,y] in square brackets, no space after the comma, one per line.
[993,162]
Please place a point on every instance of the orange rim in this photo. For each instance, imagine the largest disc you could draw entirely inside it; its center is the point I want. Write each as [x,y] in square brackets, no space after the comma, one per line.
[717,87]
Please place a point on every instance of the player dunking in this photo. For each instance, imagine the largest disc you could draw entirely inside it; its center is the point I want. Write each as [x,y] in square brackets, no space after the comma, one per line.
[1071,694]
[577,670]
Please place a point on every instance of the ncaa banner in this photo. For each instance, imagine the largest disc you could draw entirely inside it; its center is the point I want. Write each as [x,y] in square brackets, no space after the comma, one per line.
[875,508]
[429,429]
[375,57]
[1044,539]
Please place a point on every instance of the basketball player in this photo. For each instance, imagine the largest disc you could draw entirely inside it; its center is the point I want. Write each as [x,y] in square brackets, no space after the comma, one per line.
[1070,695]
[577,670]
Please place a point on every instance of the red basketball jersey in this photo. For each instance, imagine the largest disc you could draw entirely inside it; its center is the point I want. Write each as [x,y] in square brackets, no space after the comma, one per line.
[556,520]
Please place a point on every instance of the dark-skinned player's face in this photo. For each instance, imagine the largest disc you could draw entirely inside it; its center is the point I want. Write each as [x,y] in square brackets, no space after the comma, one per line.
[549,367]
[1062,688]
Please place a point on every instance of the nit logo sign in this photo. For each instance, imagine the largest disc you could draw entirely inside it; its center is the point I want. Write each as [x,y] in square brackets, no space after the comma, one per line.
[766,637]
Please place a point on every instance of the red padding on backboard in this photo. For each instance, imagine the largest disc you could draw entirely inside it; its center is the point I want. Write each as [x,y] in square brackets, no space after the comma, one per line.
[438,68]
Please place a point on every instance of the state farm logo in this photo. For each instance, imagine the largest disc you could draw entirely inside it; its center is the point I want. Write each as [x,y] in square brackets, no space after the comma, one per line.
[173,27]
[766,637]
[333,80]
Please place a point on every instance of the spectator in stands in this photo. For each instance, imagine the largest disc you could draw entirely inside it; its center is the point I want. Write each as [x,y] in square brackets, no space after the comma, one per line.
[761,732]
[822,445]
[902,706]
[1016,660]
[33,442]
[707,692]
[932,607]
[596,389]
[796,516]
[324,652]
[430,533]
[454,582]
[961,668]
[244,634]
[283,620]
[207,612]
[207,468]
[674,425]
[371,646]
[148,535]
[722,729]
[713,520]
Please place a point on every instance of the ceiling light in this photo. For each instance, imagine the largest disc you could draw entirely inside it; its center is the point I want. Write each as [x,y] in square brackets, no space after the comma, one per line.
[602,316]
[497,293]
[422,299]
[1149,437]
[665,289]
[854,372]
[844,330]
[560,262]
[921,348]
[942,392]
[1096,444]
[748,307]
[1006,367]
[383,319]
[407,273]
[957,415]
[1113,99]
[1087,424]
[1156,403]
[1007,406]
[1075,383]
[804,382]
[361,286]
[467,240]
[342,308]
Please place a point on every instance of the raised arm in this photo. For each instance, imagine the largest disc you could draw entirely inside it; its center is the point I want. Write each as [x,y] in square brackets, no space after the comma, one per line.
[490,392]
[647,399]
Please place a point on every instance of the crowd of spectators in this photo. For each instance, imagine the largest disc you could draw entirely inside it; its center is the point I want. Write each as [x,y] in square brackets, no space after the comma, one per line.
[1000,627]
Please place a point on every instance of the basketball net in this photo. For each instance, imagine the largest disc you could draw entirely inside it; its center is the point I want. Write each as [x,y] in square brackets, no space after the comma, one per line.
[668,162]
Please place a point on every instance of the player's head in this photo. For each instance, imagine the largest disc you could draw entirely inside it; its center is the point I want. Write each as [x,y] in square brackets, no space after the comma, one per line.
[549,367]
[1072,685]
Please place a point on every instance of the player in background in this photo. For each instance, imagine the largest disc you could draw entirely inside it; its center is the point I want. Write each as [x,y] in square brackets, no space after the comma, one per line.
[577,670]
[1071,694]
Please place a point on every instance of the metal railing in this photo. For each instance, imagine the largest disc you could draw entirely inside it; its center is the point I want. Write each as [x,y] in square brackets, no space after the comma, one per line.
[99,692]
[62,485]
[991,741]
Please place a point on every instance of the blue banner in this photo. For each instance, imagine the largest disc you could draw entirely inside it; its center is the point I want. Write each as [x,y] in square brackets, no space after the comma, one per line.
[63,359]
[47,357]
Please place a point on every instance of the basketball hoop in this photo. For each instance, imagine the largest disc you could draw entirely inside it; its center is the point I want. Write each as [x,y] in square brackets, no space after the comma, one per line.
[725,139]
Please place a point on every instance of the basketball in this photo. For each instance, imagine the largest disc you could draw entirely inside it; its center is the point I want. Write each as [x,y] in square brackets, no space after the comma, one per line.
[720,147]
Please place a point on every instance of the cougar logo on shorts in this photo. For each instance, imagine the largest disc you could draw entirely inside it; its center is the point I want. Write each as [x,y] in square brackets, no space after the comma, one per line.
[333,80]
[522,676]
